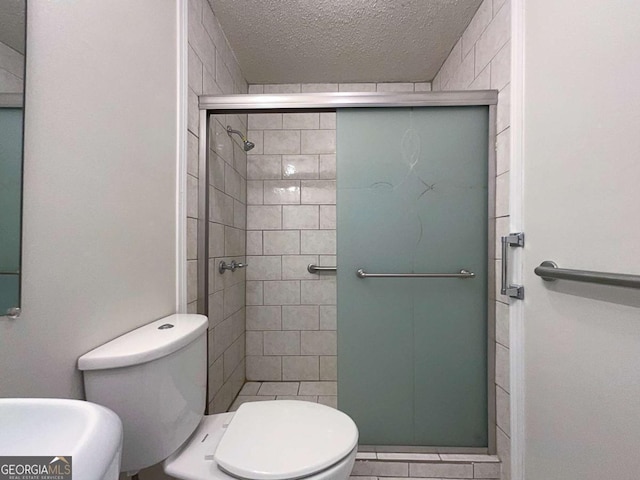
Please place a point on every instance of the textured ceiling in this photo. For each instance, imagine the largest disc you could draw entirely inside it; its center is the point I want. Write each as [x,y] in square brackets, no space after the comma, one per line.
[12,23]
[296,41]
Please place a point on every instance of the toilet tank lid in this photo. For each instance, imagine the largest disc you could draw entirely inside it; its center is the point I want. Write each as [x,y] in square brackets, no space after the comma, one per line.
[147,343]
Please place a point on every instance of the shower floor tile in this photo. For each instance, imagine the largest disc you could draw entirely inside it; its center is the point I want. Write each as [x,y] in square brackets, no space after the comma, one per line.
[318,392]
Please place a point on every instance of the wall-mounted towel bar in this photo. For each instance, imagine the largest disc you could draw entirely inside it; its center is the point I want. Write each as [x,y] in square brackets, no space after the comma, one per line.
[463,274]
[311,268]
[549,272]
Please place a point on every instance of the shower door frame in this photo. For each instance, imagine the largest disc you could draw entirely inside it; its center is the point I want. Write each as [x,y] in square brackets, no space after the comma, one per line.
[329,102]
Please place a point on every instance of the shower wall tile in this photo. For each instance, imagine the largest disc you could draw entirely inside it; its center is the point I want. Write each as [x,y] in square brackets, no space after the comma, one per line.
[318,292]
[264,167]
[318,343]
[255,192]
[327,217]
[318,242]
[264,267]
[300,368]
[264,318]
[282,293]
[213,69]
[328,166]
[300,317]
[394,87]
[300,217]
[318,191]
[318,141]
[265,121]
[300,166]
[281,192]
[282,343]
[422,87]
[329,368]
[283,88]
[300,186]
[301,121]
[255,345]
[328,120]
[282,142]
[264,368]
[255,292]
[264,217]
[357,87]
[487,40]
[328,317]
[283,242]
[319,87]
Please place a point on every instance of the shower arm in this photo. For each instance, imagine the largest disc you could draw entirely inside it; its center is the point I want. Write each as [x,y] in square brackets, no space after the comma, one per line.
[237,132]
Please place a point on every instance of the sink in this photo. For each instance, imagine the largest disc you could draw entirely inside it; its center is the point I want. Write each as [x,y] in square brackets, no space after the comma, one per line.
[89,433]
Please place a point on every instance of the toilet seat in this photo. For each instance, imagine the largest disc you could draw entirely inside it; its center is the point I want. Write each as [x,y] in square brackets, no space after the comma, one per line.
[284,439]
[281,439]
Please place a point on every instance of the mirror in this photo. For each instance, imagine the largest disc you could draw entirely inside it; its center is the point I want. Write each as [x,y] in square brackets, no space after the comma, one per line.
[12,63]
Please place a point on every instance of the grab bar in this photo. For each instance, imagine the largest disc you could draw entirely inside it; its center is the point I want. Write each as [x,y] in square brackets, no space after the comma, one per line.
[550,272]
[463,274]
[311,268]
[510,290]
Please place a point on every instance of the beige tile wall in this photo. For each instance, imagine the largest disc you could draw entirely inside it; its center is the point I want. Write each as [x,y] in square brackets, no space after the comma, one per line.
[11,70]
[291,216]
[213,69]
[481,59]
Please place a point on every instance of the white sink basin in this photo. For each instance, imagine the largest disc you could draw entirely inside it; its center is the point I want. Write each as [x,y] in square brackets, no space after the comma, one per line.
[89,433]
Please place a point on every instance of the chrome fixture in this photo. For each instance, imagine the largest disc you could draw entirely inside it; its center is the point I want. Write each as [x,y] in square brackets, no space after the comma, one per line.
[511,240]
[247,144]
[463,274]
[233,265]
[550,272]
[311,268]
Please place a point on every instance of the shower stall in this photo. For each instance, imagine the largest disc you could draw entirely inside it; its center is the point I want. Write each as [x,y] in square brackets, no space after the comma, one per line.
[412,261]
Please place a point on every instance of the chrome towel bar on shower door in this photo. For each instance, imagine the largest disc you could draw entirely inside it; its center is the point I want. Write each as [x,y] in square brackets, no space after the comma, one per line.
[463,274]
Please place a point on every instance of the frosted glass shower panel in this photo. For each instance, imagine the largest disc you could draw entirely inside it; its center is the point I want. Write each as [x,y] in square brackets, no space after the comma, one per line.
[412,198]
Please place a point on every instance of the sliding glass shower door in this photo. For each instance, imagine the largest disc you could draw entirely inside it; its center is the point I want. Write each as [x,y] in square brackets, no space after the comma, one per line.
[412,199]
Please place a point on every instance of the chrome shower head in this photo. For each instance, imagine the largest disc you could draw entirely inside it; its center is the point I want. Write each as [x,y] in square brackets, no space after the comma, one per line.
[247,144]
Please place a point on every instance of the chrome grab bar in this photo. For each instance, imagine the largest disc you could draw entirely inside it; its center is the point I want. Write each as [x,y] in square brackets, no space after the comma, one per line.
[550,272]
[510,290]
[463,274]
[311,268]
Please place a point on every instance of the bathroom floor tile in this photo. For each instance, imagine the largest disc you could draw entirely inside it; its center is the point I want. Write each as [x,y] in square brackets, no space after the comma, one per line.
[303,398]
[249,398]
[318,392]
[328,400]
[318,388]
[250,388]
[279,388]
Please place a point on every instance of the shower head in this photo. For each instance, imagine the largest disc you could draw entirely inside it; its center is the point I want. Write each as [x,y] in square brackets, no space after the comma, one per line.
[247,145]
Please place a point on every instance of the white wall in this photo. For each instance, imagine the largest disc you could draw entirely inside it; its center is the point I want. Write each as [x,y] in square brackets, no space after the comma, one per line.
[581,207]
[99,186]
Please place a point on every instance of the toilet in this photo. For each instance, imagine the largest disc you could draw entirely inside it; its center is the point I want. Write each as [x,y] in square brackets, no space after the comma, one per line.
[155,379]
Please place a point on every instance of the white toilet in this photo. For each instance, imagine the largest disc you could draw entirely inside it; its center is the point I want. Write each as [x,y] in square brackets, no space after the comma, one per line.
[154,378]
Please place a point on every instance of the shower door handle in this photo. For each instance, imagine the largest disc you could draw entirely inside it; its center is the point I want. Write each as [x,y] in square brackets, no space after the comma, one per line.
[462,274]
[510,290]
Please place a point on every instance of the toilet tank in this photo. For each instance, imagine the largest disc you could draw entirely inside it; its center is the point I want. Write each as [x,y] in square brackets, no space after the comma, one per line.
[155,379]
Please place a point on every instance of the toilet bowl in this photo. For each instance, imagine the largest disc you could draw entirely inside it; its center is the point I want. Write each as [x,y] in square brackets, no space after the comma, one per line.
[154,378]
